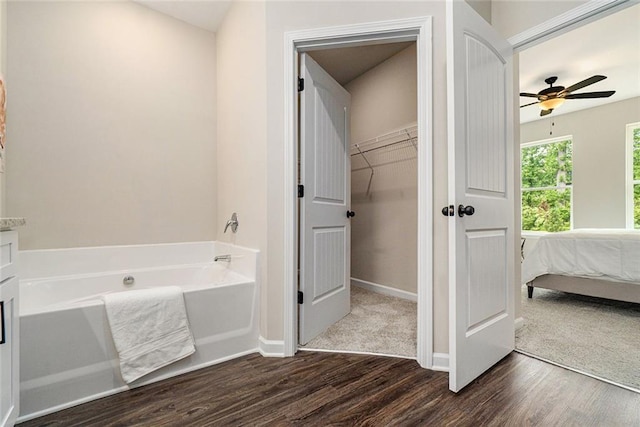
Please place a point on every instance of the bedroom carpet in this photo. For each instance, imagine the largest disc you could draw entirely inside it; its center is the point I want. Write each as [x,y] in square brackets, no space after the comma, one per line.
[377,324]
[597,336]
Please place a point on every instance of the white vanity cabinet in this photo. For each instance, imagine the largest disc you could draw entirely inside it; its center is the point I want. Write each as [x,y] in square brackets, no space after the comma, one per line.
[9,322]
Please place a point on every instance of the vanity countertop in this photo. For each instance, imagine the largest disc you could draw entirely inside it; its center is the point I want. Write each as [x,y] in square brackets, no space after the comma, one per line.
[9,223]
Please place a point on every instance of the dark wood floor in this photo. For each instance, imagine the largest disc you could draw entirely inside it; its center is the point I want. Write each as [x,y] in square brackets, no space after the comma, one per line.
[319,389]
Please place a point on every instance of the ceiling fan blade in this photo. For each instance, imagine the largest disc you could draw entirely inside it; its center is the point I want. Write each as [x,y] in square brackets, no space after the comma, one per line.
[526,105]
[545,112]
[604,94]
[530,95]
[591,80]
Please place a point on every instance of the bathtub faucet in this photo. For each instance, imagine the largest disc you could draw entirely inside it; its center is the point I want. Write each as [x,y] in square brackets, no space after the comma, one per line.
[222,258]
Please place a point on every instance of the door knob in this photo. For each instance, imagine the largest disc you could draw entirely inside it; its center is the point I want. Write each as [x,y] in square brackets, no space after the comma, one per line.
[351,214]
[465,210]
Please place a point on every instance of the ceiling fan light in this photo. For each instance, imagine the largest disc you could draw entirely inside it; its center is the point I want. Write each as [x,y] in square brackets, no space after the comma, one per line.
[551,104]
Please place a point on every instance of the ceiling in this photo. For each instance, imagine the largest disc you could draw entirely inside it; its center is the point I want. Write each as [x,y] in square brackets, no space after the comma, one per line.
[609,46]
[204,14]
[345,64]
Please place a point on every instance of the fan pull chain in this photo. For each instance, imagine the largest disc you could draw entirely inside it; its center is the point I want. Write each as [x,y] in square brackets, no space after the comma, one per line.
[553,123]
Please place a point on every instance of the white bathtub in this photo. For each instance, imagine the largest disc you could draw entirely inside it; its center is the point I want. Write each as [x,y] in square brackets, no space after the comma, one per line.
[67,354]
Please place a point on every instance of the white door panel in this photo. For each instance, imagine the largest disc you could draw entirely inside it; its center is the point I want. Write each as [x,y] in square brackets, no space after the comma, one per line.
[324,227]
[9,352]
[481,170]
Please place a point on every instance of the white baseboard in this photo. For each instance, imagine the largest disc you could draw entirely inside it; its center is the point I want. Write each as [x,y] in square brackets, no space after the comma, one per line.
[385,290]
[519,323]
[270,348]
[440,362]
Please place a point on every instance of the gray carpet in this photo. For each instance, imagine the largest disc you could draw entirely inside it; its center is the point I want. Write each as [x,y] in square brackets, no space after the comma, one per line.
[597,336]
[377,324]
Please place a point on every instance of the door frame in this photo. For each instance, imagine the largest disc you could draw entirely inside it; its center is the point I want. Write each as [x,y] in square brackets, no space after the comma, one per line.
[570,20]
[417,29]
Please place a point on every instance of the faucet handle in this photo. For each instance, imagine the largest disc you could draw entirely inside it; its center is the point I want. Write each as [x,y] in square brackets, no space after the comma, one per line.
[233,223]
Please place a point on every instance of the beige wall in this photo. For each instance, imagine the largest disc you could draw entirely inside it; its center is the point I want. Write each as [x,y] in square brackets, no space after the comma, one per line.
[288,16]
[598,159]
[384,230]
[511,17]
[483,7]
[242,103]
[112,125]
[384,99]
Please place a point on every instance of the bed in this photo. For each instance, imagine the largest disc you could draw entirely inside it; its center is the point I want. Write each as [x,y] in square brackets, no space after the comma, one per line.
[603,263]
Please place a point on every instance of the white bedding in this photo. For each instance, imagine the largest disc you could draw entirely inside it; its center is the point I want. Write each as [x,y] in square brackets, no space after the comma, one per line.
[610,254]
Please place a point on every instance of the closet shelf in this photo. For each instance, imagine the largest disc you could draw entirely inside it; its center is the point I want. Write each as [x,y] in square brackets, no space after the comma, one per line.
[409,134]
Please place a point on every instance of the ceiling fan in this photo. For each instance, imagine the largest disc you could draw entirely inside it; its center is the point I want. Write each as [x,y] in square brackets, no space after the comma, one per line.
[554,96]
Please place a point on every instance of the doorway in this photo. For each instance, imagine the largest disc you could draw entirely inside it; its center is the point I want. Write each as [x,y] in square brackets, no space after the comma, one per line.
[594,205]
[418,30]
[380,82]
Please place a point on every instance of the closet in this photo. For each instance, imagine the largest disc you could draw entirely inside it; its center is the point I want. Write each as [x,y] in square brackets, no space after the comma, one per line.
[383,154]
[383,192]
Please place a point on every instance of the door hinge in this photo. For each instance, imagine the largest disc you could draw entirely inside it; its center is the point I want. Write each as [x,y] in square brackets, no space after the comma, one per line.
[300,190]
[300,84]
[300,297]
[2,319]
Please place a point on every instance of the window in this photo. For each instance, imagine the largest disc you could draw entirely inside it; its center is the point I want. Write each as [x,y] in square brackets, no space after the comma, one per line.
[633,175]
[546,168]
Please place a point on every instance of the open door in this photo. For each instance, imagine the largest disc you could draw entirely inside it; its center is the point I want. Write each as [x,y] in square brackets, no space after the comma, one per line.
[481,195]
[325,171]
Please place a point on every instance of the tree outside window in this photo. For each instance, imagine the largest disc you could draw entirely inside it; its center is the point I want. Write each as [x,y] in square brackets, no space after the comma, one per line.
[547,184]
[635,135]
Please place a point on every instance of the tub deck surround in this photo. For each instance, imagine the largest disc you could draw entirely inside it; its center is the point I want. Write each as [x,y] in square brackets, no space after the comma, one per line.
[67,352]
[10,223]
[47,263]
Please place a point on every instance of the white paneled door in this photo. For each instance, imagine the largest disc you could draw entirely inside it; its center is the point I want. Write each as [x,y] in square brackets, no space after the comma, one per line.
[325,233]
[481,193]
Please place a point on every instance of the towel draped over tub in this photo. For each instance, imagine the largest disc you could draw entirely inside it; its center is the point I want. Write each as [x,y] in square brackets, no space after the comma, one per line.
[150,329]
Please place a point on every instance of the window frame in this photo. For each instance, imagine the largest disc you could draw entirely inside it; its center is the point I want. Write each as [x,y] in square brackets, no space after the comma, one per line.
[630,182]
[547,141]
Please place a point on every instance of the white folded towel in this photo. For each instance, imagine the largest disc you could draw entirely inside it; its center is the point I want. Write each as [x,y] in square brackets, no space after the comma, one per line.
[150,329]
